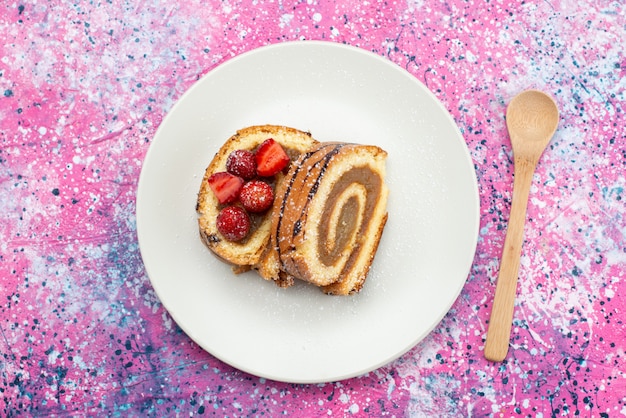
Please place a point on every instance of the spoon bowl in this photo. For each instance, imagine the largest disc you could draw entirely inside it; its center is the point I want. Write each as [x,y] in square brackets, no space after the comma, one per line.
[532,118]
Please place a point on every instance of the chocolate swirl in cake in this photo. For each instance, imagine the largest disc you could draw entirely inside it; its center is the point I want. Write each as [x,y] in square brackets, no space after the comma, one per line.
[331,215]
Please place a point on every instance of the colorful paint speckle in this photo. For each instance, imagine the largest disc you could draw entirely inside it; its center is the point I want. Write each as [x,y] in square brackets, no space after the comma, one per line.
[84,86]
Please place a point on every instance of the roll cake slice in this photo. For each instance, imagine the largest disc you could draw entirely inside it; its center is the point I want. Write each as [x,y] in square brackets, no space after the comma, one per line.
[250,253]
[329,215]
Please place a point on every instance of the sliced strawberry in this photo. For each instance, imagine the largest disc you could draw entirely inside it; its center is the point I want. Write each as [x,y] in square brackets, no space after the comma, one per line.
[225,186]
[256,196]
[270,158]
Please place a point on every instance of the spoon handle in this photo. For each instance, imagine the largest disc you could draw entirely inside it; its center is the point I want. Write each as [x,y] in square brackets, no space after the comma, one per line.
[499,332]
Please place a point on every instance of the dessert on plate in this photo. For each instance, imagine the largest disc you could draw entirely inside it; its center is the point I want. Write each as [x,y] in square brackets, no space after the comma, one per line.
[329,215]
[276,200]
[232,167]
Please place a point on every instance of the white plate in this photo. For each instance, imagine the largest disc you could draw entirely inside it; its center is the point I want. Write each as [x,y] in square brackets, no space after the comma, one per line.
[299,334]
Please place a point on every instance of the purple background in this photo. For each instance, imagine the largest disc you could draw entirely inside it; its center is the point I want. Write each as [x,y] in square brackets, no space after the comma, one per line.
[85,85]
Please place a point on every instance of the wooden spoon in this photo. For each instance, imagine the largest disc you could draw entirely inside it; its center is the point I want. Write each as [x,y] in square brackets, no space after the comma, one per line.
[531,118]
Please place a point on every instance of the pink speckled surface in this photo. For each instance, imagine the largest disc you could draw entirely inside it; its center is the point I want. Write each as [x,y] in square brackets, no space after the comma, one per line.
[85,85]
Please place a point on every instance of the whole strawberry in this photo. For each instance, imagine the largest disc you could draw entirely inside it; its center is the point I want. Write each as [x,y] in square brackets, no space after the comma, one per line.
[256,196]
[241,163]
[233,223]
